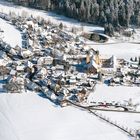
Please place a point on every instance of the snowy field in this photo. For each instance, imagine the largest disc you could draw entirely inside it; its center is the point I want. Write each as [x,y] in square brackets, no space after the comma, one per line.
[11,35]
[131,121]
[30,117]
[120,94]
[120,50]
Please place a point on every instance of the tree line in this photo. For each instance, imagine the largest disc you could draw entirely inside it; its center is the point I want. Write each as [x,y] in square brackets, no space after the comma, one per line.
[112,14]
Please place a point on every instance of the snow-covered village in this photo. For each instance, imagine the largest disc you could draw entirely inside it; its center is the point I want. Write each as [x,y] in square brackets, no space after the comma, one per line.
[63,79]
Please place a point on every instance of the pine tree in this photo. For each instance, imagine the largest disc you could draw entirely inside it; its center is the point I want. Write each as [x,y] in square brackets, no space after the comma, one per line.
[139,63]
[136,59]
[131,59]
[61,26]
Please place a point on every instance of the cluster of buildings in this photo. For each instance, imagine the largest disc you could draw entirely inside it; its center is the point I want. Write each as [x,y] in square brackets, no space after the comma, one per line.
[57,63]
[127,73]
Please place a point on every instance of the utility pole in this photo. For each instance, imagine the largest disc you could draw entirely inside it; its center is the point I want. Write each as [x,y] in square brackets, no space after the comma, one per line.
[1,35]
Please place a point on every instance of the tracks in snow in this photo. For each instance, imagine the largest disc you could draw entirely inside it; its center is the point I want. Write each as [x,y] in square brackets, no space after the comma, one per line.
[95,113]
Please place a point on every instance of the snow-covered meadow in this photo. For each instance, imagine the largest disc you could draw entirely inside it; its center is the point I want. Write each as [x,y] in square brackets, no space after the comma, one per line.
[30,117]
[11,35]
[120,50]
[120,94]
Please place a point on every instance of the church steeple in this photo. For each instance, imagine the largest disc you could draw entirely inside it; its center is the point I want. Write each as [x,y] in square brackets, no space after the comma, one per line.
[88,58]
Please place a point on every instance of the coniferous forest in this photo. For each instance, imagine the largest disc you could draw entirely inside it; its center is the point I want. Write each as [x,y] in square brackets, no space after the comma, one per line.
[112,14]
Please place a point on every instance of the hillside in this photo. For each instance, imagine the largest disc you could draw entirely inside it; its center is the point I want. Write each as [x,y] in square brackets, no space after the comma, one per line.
[112,14]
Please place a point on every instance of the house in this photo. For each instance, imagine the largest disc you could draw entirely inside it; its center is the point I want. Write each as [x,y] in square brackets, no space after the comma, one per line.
[20,69]
[59,67]
[32,86]
[137,81]
[41,73]
[57,54]
[127,80]
[82,95]
[50,95]
[92,67]
[72,80]
[109,65]
[64,103]
[137,134]
[30,24]
[14,84]
[4,71]
[134,66]
[109,62]
[53,86]
[26,53]
[7,48]
[2,55]
[17,48]
[81,76]
[12,87]
[91,63]
[45,60]
[63,94]
[29,64]
[3,58]
[20,82]
[64,57]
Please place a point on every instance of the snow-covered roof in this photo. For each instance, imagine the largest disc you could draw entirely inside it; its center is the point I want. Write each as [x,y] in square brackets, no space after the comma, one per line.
[20,68]
[42,71]
[45,60]
[93,63]
[26,53]
[13,72]
[2,54]
[30,23]
[29,64]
